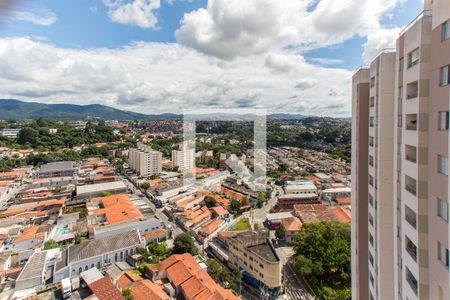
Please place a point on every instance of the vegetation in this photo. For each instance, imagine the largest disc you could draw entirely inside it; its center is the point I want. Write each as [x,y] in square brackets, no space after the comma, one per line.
[210,201]
[158,251]
[127,294]
[145,185]
[166,145]
[183,243]
[50,244]
[222,275]
[242,225]
[344,153]
[323,258]
[280,233]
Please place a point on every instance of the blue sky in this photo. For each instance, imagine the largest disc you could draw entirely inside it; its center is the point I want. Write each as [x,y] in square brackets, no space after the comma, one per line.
[77,27]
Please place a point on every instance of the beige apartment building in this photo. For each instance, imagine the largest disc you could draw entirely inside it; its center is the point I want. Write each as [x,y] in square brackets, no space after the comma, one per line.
[252,253]
[406,189]
[144,160]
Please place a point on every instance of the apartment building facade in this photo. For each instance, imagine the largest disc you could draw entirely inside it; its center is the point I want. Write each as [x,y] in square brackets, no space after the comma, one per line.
[408,209]
[144,160]
[184,159]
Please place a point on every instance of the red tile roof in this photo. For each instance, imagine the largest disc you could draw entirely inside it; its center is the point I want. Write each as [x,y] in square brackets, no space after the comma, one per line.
[291,224]
[105,290]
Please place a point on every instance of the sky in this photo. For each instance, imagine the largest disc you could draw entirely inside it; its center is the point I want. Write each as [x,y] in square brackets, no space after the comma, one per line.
[155,56]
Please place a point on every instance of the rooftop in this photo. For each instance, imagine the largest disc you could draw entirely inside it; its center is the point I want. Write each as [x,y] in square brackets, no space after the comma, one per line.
[265,251]
[98,187]
[57,166]
[97,247]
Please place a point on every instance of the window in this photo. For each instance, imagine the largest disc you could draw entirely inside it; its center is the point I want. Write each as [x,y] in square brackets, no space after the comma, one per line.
[443,254]
[413,58]
[399,121]
[446,30]
[401,63]
[372,82]
[371,141]
[400,93]
[442,209]
[444,76]
[442,165]
[443,120]
[399,149]
[371,121]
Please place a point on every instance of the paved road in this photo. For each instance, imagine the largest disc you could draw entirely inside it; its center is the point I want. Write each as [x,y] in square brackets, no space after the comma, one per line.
[295,289]
[258,215]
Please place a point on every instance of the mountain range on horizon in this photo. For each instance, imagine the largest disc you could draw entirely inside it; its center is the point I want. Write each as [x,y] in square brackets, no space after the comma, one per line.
[13,109]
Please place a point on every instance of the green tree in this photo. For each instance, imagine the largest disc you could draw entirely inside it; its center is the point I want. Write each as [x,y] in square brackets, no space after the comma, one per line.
[127,294]
[280,233]
[261,199]
[210,201]
[184,243]
[323,257]
[145,185]
[27,135]
[235,206]
[50,244]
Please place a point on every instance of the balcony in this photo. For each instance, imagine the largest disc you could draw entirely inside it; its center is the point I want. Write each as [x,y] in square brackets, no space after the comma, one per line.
[411,248]
[410,217]
[411,189]
[411,122]
[411,153]
[410,185]
[412,90]
[412,281]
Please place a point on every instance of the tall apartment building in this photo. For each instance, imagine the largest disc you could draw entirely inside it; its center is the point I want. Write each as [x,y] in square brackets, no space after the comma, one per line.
[184,158]
[404,198]
[144,160]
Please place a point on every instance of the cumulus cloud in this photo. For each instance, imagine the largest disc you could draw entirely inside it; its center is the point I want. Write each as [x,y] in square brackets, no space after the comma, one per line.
[156,77]
[379,40]
[233,28]
[141,13]
[38,16]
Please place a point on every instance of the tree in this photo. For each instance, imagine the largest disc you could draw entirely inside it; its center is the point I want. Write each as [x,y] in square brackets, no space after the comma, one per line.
[106,194]
[184,243]
[280,233]
[210,201]
[235,205]
[127,294]
[261,199]
[158,250]
[323,257]
[27,135]
[50,244]
[145,185]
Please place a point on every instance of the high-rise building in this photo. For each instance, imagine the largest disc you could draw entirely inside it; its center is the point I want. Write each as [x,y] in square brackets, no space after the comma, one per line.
[184,158]
[144,160]
[400,144]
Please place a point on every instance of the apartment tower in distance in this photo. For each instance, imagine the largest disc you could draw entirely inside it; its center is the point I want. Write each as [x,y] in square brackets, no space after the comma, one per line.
[400,145]
[144,160]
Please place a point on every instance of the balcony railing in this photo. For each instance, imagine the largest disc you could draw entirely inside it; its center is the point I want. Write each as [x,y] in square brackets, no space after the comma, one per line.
[412,250]
[411,158]
[411,126]
[411,219]
[412,283]
[411,189]
[412,96]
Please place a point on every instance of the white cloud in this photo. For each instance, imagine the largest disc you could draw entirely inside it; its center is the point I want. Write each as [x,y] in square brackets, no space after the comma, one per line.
[379,40]
[233,28]
[141,13]
[43,17]
[326,61]
[156,77]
